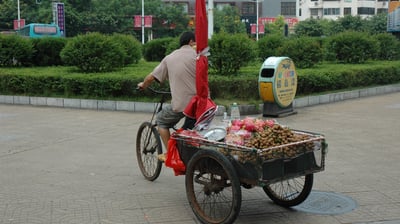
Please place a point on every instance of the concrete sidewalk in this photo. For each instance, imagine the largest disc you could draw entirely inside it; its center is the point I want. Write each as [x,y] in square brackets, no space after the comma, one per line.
[63,165]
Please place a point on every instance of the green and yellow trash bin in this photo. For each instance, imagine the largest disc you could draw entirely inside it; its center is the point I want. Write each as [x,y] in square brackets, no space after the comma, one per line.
[277,84]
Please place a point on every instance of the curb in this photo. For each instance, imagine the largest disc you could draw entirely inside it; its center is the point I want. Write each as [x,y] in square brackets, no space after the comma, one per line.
[149,107]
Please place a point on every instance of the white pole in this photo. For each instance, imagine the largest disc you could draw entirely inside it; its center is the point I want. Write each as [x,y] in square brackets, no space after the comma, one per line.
[19,16]
[210,18]
[257,21]
[142,21]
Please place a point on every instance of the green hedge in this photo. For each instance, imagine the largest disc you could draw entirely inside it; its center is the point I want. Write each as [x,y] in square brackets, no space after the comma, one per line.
[47,51]
[15,51]
[241,87]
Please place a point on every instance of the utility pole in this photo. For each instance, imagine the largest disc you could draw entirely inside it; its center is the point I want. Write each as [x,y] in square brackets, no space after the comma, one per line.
[210,18]
[19,16]
[257,21]
[142,21]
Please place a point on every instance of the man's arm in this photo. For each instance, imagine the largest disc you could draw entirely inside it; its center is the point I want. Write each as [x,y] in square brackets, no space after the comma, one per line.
[147,81]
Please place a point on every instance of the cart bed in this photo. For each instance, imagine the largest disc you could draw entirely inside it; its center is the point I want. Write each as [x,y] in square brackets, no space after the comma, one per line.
[263,166]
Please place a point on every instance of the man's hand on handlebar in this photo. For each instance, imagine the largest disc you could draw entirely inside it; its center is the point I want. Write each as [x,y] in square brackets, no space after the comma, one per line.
[140,86]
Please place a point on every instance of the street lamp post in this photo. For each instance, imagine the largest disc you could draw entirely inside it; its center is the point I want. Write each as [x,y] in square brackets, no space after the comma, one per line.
[210,18]
[257,20]
[19,16]
[142,21]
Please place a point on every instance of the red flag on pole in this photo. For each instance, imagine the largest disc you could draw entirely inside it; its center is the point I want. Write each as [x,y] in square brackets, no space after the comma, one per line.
[201,106]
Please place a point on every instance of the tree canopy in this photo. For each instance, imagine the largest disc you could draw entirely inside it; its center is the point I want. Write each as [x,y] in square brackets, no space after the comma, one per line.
[111,16]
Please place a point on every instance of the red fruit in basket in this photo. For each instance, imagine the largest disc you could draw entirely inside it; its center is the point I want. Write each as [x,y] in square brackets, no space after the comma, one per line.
[249,126]
[259,125]
[270,123]
[237,122]
[234,128]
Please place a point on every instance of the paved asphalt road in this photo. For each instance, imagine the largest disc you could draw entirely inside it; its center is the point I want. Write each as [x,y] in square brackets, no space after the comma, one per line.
[66,166]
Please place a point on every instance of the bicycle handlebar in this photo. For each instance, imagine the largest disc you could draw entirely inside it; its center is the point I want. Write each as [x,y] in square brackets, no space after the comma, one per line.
[158,91]
[154,90]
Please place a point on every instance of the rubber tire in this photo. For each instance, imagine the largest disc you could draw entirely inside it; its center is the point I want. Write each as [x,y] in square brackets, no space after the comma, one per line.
[278,191]
[213,162]
[147,158]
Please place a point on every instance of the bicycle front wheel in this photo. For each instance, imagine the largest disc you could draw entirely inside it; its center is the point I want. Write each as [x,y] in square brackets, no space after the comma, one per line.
[148,147]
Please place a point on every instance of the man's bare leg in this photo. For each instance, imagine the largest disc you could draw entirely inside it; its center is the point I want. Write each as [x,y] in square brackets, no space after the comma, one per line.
[165,135]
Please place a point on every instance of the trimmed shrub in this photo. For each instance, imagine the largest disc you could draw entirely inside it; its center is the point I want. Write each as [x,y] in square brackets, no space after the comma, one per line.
[268,46]
[47,51]
[305,52]
[93,52]
[15,51]
[131,46]
[173,45]
[156,50]
[352,47]
[229,52]
[389,47]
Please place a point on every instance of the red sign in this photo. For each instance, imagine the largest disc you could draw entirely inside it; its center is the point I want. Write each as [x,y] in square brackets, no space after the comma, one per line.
[253,28]
[290,21]
[148,21]
[19,24]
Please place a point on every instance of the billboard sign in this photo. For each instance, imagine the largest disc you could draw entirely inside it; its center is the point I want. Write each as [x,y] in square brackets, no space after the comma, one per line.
[290,21]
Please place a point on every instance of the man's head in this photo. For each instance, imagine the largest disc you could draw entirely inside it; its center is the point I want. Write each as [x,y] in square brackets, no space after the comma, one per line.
[186,37]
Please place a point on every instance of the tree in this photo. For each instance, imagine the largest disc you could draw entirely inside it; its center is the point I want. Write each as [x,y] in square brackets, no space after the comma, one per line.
[309,27]
[228,20]
[277,27]
[171,21]
[377,23]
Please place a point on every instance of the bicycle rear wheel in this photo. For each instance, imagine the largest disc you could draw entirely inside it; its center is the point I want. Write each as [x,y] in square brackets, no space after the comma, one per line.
[148,147]
[291,192]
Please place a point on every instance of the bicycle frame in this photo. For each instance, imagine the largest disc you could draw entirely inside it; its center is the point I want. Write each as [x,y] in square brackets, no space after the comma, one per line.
[159,105]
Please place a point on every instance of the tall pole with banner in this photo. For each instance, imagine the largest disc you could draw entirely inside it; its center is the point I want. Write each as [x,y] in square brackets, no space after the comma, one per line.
[59,17]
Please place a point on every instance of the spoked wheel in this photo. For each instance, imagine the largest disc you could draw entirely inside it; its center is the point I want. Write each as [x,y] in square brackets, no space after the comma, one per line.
[213,187]
[290,192]
[148,147]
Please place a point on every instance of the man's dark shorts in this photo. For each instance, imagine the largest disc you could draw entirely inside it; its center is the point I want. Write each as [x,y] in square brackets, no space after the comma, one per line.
[167,118]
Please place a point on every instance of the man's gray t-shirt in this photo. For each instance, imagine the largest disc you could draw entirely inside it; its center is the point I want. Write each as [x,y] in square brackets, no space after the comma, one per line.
[179,68]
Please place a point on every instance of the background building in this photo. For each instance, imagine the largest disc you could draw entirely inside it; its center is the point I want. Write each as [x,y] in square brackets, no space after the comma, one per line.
[333,9]
[302,9]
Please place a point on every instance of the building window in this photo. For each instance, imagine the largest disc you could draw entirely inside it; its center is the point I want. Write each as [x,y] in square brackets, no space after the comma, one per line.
[314,12]
[220,5]
[365,11]
[248,8]
[288,8]
[184,5]
[347,11]
[382,11]
[331,11]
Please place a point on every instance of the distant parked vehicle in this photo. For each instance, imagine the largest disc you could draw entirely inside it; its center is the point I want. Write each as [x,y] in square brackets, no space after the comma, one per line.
[37,30]
[7,32]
